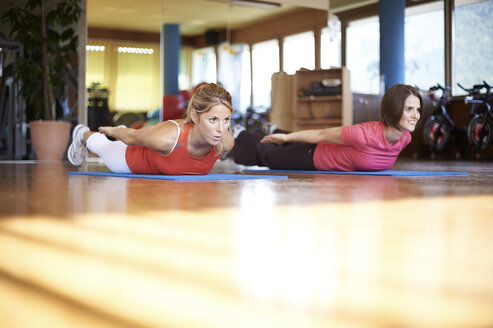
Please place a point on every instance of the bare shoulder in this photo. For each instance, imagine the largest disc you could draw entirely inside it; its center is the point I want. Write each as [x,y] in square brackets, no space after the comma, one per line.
[180,121]
[167,125]
[160,137]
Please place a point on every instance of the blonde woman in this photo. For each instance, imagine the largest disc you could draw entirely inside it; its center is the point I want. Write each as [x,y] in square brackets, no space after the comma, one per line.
[189,146]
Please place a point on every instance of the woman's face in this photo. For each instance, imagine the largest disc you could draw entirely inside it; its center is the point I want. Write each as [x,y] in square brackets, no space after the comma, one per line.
[411,114]
[213,125]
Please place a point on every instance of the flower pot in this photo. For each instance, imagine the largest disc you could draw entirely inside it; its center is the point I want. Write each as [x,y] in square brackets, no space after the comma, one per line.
[50,139]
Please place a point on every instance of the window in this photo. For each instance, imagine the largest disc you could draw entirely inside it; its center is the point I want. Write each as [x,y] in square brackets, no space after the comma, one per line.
[473,47]
[299,51]
[95,57]
[246,80]
[204,66]
[130,72]
[138,74]
[265,57]
[424,45]
[330,49]
[185,68]
[363,55]
[231,71]
[423,49]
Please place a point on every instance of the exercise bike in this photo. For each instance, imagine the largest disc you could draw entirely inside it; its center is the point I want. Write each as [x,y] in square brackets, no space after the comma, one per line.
[479,128]
[440,129]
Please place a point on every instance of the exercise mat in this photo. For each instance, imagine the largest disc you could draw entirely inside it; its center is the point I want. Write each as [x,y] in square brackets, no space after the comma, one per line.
[206,177]
[397,173]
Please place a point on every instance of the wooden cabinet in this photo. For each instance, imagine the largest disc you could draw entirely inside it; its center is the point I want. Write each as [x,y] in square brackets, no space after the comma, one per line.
[327,106]
[282,101]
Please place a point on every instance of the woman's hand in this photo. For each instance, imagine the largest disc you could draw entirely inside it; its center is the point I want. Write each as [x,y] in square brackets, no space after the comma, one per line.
[277,138]
[106,130]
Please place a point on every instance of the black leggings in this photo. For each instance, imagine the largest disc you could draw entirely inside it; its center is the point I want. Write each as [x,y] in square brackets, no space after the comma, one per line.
[287,156]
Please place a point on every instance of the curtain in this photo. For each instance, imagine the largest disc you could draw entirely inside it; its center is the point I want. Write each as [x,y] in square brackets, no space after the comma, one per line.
[204,66]
[131,75]
[185,69]
[229,73]
[138,80]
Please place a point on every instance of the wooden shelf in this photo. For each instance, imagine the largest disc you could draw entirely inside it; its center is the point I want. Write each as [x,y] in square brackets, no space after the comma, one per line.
[315,124]
[316,112]
[320,98]
[320,121]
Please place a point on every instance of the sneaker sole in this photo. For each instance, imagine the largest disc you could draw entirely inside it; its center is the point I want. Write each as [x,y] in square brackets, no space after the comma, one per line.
[71,149]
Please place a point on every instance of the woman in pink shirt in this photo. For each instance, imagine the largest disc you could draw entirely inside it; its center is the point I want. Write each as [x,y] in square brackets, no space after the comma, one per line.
[368,146]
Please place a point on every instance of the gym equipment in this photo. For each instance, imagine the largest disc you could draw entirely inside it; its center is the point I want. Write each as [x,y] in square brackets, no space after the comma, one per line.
[397,173]
[206,177]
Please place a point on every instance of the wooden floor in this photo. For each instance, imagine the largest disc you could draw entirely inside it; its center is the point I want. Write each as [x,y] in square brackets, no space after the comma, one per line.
[310,251]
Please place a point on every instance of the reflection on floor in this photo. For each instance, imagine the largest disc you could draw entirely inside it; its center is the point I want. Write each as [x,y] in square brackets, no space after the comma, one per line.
[309,251]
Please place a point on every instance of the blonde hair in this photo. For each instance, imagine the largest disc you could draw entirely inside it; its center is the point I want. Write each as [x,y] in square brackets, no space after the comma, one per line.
[206,97]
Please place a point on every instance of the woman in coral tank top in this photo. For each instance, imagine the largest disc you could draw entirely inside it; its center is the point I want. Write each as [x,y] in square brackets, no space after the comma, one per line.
[368,146]
[189,146]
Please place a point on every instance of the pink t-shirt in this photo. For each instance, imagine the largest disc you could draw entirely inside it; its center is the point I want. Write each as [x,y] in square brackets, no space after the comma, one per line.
[364,148]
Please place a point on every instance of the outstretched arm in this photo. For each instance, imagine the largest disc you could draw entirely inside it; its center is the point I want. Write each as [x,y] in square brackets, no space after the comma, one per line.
[332,135]
[159,137]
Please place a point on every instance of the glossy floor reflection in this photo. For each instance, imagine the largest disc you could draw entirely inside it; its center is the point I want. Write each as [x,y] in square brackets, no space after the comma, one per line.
[310,251]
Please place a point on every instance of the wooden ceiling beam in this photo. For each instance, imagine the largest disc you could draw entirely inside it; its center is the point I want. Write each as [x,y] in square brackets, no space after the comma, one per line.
[313,4]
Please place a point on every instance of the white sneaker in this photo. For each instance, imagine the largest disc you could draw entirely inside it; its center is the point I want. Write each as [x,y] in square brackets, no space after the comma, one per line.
[77,152]
[269,128]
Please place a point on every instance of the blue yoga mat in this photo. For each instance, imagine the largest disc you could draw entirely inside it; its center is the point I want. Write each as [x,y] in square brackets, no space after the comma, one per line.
[207,177]
[396,173]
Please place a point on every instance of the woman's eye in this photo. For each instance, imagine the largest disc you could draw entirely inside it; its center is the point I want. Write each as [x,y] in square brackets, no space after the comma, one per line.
[212,119]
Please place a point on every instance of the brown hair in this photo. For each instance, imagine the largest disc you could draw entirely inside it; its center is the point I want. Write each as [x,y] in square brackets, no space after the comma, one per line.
[206,97]
[392,104]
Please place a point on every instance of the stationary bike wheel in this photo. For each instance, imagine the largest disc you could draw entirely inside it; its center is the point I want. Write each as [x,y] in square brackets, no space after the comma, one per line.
[436,133]
[479,133]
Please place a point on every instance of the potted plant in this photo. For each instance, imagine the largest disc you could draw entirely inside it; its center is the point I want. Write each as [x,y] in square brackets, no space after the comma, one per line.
[50,41]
